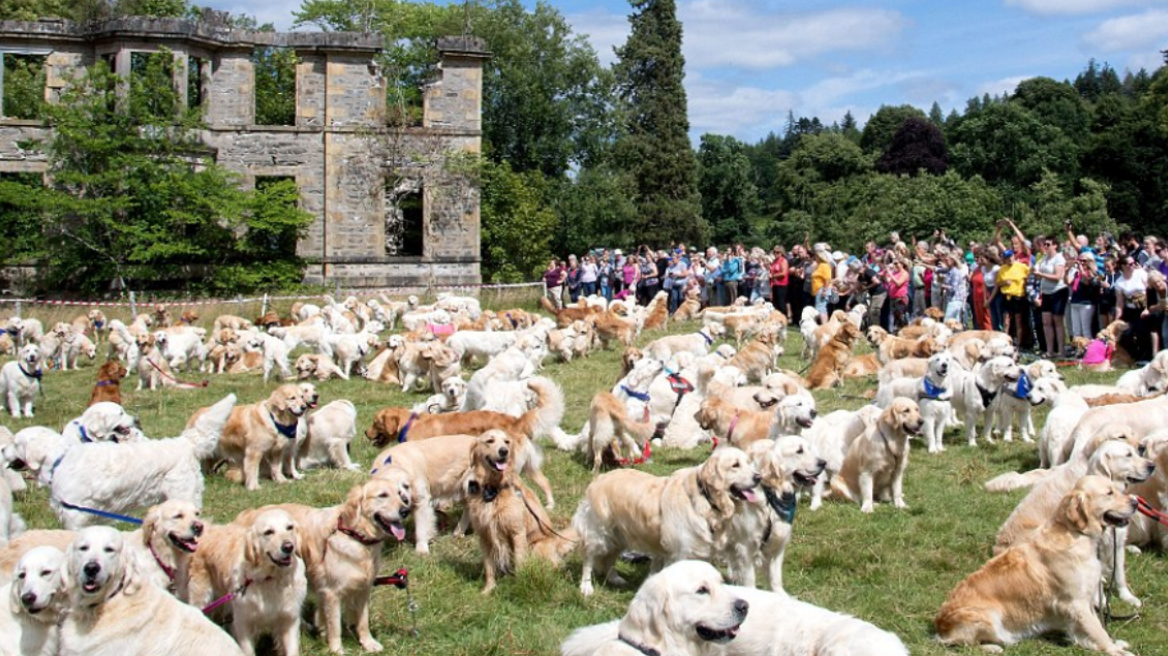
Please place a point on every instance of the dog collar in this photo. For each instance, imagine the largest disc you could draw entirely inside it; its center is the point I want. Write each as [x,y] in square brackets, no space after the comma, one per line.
[709,340]
[56,463]
[730,431]
[98,325]
[105,383]
[37,374]
[357,535]
[401,436]
[931,391]
[784,506]
[987,397]
[488,492]
[640,396]
[166,569]
[1023,387]
[288,431]
[647,651]
[388,460]
[84,435]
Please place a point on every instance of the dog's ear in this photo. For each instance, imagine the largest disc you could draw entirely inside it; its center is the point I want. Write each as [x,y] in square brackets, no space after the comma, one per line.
[650,614]
[714,478]
[150,522]
[252,552]
[132,579]
[1076,509]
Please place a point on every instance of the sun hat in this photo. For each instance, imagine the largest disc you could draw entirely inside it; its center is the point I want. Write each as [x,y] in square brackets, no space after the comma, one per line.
[838,255]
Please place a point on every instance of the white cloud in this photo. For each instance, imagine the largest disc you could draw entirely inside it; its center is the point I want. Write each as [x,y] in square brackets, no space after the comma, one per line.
[1063,7]
[740,111]
[277,12]
[737,33]
[1127,33]
[1003,86]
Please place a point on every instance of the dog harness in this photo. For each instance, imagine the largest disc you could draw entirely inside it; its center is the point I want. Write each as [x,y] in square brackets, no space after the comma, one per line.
[288,431]
[166,569]
[404,432]
[709,340]
[987,397]
[36,374]
[643,397]
[355,534]
[680,386]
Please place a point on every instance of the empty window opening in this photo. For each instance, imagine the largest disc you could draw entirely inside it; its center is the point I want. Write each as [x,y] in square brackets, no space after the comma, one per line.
[278,193]
[197,69]
[275,85]
[404,211]
[22,85]
[152,83]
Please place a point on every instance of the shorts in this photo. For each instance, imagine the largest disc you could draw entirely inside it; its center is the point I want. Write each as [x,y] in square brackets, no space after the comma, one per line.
[1056,303]
[1014,304]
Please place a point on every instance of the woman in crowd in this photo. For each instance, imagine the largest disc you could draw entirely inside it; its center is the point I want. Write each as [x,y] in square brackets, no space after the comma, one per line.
[1051,272]
[1085,296]
[648,283]
[820,278]
[574,279]
[1131,299]
[896,281]
[630,276]
[1011,285]
[954,285]
[553,281]
[676,276]
[1107,299]
[732,273]
[981,285]
[1153,316]
[780,274]
[589,273]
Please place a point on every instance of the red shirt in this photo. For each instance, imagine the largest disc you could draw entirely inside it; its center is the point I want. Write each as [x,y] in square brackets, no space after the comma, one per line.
[779,272]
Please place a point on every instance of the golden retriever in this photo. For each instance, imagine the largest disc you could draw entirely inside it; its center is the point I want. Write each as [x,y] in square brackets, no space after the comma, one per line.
[506,515]
[259,568]
[610,327]
[733,425]
[683,609]
[1143,530]
[896,348]
[610,427]
[862,366]
[756,360]
[341,547]
[33,602]
[669,518]
[831,358]
[115,611]
[874,466]
[1044,583]
[109,383]
[565,317]
[268,430]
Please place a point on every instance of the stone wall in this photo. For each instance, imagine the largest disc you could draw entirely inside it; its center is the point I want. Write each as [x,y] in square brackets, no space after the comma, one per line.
[340,151]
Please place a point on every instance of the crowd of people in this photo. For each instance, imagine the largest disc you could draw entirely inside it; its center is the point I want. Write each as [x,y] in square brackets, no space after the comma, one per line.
[1043,290]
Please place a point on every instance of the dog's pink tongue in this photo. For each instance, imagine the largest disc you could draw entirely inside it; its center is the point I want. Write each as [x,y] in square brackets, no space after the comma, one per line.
[399,531]
[748,495]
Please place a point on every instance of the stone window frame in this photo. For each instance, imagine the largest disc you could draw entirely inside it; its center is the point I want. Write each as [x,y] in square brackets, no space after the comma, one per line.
[24,51]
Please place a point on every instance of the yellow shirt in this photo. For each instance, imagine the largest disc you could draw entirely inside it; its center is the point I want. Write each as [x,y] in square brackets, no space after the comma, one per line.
[1012,279]
[820,277]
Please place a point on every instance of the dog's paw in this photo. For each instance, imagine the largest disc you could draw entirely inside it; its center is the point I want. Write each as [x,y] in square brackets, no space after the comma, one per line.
[1127,597]
[867,509]
[1134,550]
[371,645]
[899,503]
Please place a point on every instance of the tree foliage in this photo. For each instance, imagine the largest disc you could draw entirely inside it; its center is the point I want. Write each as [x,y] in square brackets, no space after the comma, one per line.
[518,224]
[919,145]
[882,126]
[730,201]
[653,147]
[137,201]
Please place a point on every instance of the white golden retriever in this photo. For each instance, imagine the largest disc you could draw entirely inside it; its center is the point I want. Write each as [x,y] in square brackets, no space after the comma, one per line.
[330,430]
[124,477]
[32,604]
[20,380]
[683,609]
[116,613]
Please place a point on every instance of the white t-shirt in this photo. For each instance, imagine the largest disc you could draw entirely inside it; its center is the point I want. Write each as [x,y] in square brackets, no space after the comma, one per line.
[1131,286]
[991,277]
[1049,266]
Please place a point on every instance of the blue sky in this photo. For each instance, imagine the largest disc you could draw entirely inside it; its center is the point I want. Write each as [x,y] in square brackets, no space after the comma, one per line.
[749,62]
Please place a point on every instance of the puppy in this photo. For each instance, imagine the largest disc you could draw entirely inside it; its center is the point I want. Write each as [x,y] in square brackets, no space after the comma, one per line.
[33,603]
[506,515]
[268,430]
[114,611]
[20,381]
[876,461]
[1045,583]
[258,565]
[680,516]
[683,609]
[341,547]
[318,366]
[109,383]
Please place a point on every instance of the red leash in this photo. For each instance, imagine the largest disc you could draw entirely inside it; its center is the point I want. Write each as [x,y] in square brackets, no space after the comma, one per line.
[399,579]
[172,378]
[1147,510]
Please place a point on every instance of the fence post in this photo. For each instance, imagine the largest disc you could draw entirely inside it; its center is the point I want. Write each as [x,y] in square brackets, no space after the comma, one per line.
[264,307]
[133,306]
[18,304]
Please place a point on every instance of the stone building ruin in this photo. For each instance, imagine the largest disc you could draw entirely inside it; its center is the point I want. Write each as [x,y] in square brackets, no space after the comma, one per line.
[392,205]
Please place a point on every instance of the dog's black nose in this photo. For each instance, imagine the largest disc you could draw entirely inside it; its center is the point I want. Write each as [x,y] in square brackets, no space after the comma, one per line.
[404,512]
[91,569]
[740,607]
[503,452]
[197,528]
[821,463]
[28,599]
[287,547]
[814,413]
[757,479]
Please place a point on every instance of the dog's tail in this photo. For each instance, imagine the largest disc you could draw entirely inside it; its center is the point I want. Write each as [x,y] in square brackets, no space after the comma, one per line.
[570,442]
[207,427]
[549,306]
[1015,480]
[548,411]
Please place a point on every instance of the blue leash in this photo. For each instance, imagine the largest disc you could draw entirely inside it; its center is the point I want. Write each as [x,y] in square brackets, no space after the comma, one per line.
[102,513]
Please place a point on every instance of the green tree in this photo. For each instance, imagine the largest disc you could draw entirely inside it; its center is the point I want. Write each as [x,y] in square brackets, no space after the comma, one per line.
[518,224]
[654,147]
[917,146]
[137,199]
[730,201]
[1007,145]
[882,126]
[24,86]
[275,85]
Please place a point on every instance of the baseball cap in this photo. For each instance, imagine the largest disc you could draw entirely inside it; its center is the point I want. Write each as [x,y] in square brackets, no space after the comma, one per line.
[1009,252]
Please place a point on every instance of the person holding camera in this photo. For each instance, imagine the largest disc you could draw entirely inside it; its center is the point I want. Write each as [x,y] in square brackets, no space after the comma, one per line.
[1085,294]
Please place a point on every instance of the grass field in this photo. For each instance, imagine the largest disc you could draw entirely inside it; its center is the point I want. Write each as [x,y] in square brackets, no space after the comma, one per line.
[893,568]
